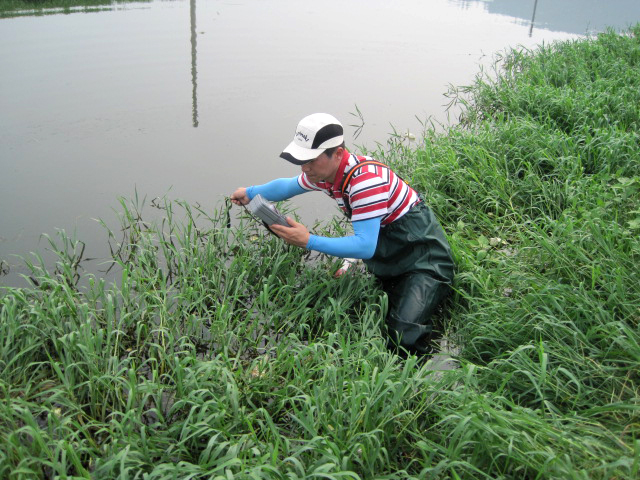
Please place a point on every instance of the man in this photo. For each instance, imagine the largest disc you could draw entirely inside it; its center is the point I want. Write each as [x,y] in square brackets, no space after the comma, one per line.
[395,233]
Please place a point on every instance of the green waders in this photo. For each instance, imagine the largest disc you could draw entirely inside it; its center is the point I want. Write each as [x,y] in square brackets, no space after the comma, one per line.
[414,263]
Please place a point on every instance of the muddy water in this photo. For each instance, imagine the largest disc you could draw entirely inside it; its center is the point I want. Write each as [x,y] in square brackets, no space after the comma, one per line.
[190,99]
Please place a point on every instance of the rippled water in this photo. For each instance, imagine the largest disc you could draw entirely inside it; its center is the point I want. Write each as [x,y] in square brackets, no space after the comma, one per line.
[194,98]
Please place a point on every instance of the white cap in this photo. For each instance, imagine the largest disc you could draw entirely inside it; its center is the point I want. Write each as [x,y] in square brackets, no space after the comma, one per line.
[315,133]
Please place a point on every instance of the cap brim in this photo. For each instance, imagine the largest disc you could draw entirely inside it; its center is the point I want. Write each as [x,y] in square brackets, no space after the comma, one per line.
[298,155]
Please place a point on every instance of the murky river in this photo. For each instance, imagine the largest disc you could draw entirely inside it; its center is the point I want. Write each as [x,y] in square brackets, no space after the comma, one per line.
[191,99]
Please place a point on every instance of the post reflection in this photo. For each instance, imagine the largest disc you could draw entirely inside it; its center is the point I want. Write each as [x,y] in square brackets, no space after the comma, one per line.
[533,17]
[194,62]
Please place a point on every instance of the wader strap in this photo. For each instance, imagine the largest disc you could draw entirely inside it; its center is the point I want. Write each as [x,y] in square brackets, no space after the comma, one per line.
[347,178]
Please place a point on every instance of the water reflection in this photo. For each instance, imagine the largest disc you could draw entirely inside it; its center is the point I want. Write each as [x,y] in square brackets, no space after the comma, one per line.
[533,17]
[571,16]
[194,62]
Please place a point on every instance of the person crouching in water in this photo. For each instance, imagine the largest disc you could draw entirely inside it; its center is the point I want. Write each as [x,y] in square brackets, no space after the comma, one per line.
[395,233]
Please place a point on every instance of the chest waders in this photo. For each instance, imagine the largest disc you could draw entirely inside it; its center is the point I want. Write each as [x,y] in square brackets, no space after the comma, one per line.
[413,261]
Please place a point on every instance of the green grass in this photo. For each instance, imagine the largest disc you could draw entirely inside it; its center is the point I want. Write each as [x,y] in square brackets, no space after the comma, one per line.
[220,352]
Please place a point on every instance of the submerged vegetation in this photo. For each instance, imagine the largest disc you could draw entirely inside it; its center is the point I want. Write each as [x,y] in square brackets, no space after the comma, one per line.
[220,352]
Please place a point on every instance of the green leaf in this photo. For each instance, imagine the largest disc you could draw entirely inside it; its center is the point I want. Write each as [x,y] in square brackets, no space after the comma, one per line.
[635,223]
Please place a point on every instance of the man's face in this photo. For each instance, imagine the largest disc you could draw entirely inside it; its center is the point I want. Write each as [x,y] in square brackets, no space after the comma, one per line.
[323,168]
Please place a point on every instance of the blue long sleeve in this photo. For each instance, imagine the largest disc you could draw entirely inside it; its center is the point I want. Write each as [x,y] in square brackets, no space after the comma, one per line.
[277,190]
[362,244]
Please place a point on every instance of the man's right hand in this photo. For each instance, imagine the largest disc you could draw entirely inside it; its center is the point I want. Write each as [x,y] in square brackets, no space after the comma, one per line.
[239,197]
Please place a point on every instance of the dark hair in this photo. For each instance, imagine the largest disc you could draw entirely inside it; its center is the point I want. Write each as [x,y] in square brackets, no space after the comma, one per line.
[329,151]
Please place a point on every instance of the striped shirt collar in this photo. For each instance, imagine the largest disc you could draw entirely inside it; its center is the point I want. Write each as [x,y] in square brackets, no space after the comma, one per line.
[341,168]
[344,164]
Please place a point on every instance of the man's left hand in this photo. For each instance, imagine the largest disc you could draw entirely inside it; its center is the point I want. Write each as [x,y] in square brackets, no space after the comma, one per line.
[296,234]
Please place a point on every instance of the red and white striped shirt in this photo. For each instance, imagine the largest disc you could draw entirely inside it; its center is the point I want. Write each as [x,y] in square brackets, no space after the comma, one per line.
[373,191]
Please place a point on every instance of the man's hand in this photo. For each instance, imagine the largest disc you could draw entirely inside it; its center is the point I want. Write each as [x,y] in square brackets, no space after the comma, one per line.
[239,197]
[296,234]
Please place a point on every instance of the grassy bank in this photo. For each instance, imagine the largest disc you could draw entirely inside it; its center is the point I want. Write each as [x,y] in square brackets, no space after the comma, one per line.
[222,353]
[16,8]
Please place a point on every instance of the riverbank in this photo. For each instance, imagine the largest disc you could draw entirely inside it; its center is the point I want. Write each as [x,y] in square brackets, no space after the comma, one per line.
[17,8]
[222,352]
